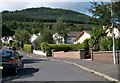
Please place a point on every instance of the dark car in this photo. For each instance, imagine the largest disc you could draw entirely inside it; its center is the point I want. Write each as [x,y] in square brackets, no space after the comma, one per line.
[11,61]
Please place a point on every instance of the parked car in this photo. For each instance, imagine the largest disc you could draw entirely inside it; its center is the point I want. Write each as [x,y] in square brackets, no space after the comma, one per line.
[11,61]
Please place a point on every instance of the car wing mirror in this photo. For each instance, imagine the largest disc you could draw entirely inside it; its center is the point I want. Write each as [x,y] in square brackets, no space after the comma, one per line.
[21,56]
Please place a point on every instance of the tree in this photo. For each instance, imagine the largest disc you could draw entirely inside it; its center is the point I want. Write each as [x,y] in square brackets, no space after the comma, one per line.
[105,44]
[116,9]
[60,29]
[22,36]
[97,34]
[6,31]
[101,12]
[46,36]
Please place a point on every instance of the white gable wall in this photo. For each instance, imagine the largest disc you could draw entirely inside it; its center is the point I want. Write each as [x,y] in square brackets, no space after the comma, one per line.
[33,38]
[116,32]
[82,38]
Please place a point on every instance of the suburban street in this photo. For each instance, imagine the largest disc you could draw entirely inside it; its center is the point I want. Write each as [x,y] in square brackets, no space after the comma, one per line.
[46,70]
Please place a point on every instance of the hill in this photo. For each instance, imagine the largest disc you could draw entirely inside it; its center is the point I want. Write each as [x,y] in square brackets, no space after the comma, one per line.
[44,14]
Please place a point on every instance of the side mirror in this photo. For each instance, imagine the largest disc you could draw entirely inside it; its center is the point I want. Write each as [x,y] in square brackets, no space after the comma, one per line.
[21,56]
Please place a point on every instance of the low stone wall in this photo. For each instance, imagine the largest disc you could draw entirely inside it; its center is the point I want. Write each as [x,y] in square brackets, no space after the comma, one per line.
[62,54]
[105,56]
[39,52]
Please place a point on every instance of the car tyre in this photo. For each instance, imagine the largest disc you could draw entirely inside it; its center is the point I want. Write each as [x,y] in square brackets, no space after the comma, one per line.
[15,70]
[22,65]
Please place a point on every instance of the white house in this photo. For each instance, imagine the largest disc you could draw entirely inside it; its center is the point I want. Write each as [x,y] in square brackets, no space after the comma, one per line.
[82,36]
[58,39]
[72,35]
[7,39]
[34,37]
[116,31]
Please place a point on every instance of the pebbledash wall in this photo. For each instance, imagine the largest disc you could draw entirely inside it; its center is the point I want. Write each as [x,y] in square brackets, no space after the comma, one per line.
[74,54]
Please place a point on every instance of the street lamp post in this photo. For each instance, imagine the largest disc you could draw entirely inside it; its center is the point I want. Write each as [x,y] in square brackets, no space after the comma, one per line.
[113,37]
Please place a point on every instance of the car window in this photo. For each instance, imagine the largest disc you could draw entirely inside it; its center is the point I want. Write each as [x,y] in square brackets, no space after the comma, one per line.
[5,53]
[16,54]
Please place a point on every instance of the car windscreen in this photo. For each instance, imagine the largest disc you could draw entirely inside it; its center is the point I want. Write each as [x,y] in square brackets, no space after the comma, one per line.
[5,53]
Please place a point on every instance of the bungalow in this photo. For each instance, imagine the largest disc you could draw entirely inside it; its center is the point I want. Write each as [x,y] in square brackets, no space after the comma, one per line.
[116,31]
[7,39]
[72,35]
[82,36]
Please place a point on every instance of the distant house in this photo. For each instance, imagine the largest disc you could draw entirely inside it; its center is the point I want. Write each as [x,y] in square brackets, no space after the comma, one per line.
[82,36]
[58,39]
[116,31]
[34,37]
[72,35]
[7,39]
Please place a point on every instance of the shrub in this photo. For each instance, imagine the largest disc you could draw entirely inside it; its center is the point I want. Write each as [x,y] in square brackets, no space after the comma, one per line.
[27,48]
[3,44]
[105,44]
[45,46]
[15,44]
[117,44]
[60,47]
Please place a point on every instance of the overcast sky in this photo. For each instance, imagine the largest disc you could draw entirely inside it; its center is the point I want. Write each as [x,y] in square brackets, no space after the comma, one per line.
[75,5]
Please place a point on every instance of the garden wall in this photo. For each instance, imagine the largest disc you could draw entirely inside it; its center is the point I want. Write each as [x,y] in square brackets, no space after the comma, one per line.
[62,54]
[105,56]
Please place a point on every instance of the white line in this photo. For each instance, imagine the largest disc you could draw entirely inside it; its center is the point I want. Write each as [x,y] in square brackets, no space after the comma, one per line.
[54,60]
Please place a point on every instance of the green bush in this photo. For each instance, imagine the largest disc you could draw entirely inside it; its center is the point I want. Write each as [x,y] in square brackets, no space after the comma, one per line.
[117,43]
[27,48]
[7,44]
[105,44]
[60,47]
[45,46]
[3,44]
[15,44]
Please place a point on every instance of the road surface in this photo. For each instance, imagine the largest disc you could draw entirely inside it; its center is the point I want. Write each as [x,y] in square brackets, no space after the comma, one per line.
[37,69]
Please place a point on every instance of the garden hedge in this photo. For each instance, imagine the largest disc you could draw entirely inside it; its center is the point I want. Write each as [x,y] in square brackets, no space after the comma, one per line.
[28,48]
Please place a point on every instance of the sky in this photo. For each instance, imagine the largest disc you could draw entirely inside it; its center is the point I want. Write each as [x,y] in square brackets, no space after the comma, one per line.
[75,5]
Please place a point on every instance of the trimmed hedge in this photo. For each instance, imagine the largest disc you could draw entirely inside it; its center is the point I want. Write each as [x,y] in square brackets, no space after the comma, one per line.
[28,48]
[45,46]
[60,47]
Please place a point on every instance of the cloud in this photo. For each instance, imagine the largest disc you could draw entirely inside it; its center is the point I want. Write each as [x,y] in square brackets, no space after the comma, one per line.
[12,5]
[55,0]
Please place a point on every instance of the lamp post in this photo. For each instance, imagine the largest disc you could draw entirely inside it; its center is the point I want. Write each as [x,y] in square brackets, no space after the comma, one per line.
[113,37]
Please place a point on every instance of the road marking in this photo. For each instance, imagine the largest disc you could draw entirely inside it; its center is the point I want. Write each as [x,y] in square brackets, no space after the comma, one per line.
[54,60]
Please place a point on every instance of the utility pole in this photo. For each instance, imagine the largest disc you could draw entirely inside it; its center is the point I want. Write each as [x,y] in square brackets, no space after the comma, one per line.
[113,37]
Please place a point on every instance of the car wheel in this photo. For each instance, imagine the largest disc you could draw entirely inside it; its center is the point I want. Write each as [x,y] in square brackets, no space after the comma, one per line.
[22,65]
[15,70]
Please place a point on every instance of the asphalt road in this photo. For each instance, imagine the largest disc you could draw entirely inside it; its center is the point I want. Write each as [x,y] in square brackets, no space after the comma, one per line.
[46,70]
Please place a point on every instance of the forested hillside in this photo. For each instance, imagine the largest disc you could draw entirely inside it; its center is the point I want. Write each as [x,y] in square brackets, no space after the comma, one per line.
[43,14]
